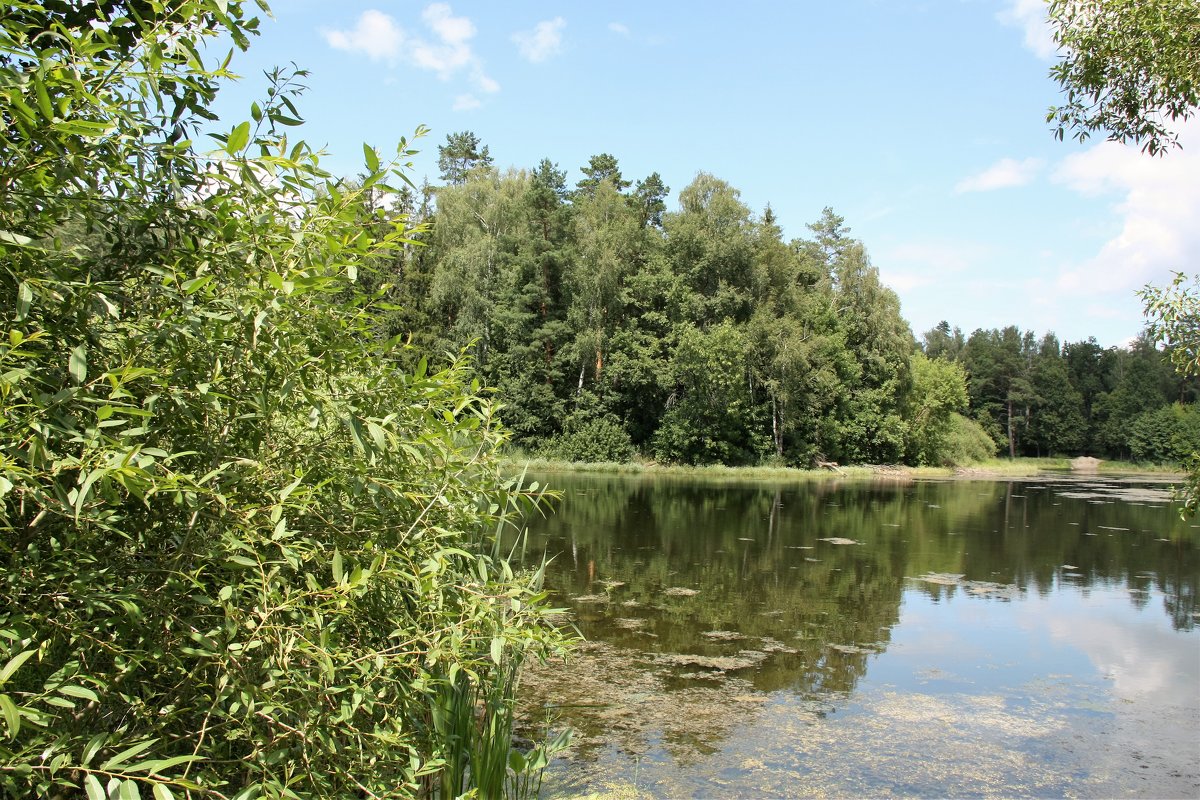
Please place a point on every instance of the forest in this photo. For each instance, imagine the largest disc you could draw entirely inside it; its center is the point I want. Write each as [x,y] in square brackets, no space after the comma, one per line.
[612,327]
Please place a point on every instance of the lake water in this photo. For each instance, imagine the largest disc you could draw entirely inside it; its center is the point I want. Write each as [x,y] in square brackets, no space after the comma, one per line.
[967,638]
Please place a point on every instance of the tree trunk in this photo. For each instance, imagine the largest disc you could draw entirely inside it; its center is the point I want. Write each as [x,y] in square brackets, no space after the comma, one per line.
[776,428]
[1012,446]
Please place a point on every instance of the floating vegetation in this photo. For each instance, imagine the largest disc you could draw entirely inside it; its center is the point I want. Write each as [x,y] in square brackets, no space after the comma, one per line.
[630,623]
[591,598]
[611,584]
[1098,493]
[853,649]
[941,578]
[743,660]
[769,645]
[723,636]
[1002,591]
[680,591]
[838,540]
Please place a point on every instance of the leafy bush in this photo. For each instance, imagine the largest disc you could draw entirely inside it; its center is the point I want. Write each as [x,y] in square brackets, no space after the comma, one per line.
[966,443]
[1168,435]
[248,552]
[593,439]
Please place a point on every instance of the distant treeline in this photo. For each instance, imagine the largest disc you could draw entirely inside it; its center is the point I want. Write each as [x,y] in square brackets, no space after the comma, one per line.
[612,327]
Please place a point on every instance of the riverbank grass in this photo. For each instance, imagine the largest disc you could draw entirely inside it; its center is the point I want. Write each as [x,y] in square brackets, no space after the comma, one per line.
[518,460]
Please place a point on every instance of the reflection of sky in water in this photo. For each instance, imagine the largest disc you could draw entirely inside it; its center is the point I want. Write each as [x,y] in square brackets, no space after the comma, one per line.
[1051,681]
[1044,696]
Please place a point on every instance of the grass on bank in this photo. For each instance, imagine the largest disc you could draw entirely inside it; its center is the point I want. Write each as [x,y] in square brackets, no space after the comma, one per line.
[1000,467]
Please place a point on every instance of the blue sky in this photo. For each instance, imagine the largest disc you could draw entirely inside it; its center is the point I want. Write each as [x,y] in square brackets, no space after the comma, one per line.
[922,123]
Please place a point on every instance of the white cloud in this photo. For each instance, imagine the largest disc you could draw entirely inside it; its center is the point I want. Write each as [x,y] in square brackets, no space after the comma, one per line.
[376,34]
[618,28]
[1004,174]
[449,28]
[447,52]
[1157,209]
[452,51]
[911,265]
[544,41]
[466,102]
[940,257]
[486,84]
[1031,17]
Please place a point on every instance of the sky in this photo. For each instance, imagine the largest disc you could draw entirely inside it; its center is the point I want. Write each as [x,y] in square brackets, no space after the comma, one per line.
[921,122]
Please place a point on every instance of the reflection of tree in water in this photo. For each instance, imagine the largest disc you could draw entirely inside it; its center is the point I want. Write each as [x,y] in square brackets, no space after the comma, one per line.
[784,609]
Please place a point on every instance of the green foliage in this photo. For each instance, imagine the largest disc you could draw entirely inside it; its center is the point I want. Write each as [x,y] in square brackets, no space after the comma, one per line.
[1174,317]
[460,155]
[710,420]
[249,545]
[1170,434]
[966,442]
[939,393]
[1129,68]
[594,439]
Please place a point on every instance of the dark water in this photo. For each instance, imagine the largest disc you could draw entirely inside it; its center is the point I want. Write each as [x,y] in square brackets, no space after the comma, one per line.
[1034,637]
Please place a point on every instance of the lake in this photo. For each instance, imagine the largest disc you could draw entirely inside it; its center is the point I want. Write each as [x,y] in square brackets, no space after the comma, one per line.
[992,637]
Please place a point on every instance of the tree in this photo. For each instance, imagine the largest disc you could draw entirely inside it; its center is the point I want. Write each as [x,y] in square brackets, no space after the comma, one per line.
[710,417]
[649,197]
[599,169]
[1057,425]
[942,342]
[997,383]
[480,222]
[939,391]
[1090,370]
[1130,68]
[249,546]
[460,155]
[1174,315]
[710,241]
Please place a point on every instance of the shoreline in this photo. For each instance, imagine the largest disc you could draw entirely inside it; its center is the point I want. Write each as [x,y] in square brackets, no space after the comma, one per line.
[996,468]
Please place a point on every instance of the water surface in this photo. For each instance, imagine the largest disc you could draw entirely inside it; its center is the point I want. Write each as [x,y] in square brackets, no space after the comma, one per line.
[1033,637]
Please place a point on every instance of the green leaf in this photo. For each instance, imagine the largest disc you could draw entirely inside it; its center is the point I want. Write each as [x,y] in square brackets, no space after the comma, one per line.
[94,790]
[337,567]
[78,691]
[497,648]
[14,664]
[126,754]
[129,790]
[239,137]
[12,716]
[197,283]
[84,128]
[161,792]
[372,158]
[24,301]
[93,747]
[9,237]
[77,365]
[158,766]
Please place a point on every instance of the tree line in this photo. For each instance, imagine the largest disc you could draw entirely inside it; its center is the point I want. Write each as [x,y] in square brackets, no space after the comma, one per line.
[611,326]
